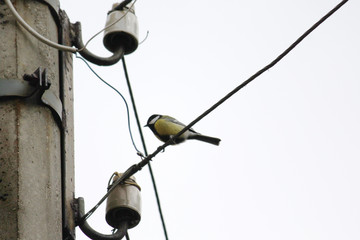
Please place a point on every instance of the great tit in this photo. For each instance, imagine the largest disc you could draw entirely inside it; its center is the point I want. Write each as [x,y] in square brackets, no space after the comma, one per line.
[164,127]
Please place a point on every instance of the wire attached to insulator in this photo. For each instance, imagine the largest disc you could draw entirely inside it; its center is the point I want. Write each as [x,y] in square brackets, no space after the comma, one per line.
[137,167]
[53,44]
[109,25]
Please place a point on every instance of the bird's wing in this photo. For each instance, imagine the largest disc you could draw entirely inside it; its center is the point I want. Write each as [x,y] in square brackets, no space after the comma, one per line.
[173,120]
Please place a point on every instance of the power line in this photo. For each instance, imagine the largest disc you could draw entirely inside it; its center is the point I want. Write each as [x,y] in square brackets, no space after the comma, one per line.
[131,136]
[137,167]
[144,147]
[246,82]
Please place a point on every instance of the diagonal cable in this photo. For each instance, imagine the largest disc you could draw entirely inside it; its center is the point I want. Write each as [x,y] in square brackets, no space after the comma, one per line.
[137,167]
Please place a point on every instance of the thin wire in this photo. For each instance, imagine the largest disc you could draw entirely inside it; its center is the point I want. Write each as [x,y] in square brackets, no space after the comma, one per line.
[126,105]
[112,176]
[144,147]
[147,34]
[106,27]
[137,167]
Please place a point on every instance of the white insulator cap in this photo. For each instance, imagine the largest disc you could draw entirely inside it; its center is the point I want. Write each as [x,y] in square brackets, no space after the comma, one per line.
[121,30]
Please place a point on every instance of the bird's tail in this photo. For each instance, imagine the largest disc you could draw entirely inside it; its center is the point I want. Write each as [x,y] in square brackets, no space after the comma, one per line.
[212,140]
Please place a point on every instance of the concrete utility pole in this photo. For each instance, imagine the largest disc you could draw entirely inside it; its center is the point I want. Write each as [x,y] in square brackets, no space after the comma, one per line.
[36,141]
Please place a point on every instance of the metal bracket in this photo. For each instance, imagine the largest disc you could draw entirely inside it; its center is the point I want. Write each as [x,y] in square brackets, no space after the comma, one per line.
[36,83]
[121,230]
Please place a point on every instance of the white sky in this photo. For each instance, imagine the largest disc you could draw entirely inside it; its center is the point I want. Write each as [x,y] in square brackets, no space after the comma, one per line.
[288,164]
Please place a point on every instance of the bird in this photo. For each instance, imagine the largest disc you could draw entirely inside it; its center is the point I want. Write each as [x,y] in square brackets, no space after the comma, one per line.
[165,127]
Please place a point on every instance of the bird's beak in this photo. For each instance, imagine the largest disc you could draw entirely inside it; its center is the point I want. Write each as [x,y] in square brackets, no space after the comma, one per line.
[146,125]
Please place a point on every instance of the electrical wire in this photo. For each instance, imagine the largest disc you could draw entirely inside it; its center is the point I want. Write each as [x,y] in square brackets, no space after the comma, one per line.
[137,167]
[124,100]
[144,147]
[50,43]
[246,82]
[36,34]
[147,34]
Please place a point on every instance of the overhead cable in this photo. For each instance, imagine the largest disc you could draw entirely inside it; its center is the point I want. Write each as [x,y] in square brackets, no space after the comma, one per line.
[145,149]
[137,167]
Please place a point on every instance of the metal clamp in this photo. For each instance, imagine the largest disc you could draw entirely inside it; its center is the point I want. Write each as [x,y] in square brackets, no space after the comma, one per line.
[36,84]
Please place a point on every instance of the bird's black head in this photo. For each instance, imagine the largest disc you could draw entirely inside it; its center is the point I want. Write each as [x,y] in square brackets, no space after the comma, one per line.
[152,119]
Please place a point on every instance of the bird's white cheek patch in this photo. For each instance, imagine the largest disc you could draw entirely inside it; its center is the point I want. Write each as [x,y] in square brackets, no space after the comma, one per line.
[154,120]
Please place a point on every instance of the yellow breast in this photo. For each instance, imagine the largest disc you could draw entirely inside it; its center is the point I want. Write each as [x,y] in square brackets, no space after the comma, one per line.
[164,127]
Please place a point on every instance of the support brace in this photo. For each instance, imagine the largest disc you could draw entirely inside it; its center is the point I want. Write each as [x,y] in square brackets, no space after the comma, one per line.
[35,84]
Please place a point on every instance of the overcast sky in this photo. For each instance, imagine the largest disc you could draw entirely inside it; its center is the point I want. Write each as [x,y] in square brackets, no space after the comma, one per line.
[288,163]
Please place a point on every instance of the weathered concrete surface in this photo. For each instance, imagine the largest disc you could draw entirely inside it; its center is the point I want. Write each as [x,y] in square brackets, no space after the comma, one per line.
[30,139]
[68,125]
[9,165]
